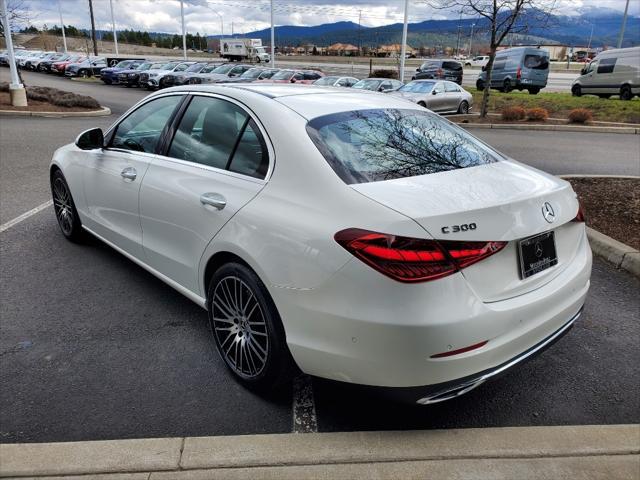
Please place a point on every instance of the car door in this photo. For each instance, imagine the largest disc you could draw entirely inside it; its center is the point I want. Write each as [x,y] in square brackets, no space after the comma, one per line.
[436,99]
[216,162]
[452,96]
[112,176]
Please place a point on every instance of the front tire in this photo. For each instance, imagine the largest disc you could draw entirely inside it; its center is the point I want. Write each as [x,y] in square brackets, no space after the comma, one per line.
[83,74]
[65,208]
[576,91]
[506,86]
[247,329]
[626,93]
[464,107]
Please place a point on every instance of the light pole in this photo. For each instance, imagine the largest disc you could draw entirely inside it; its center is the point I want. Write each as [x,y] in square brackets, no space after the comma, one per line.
[113,26]
[184,32]
[471,40]
[590,37]
[64,37]
[624,23]
[273,43]
[16,89]
[403,47]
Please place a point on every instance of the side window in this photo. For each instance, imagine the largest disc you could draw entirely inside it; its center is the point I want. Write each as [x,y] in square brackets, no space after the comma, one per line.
[298,76]
[385,86]
[451,87]
[251,156]
[343,82]
[607,65]
[499,63]
[220,134]
[439,88]
[311,76]
[141,130]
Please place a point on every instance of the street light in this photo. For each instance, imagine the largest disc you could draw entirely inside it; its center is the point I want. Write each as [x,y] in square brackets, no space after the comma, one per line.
[16,89]
[64,37]
[113,27]
[403,47]
[471,40]
[184,33]
[273,45]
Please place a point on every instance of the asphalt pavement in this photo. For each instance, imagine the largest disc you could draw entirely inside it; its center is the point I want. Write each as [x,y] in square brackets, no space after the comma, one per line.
[93,347]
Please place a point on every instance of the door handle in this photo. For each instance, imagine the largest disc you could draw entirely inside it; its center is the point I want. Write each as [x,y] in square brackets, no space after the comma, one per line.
[213,199]
[129,173]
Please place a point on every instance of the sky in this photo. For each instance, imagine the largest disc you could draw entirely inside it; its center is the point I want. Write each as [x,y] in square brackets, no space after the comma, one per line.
[204,16]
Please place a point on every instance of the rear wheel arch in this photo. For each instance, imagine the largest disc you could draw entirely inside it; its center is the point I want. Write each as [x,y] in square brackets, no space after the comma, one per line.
[216,261]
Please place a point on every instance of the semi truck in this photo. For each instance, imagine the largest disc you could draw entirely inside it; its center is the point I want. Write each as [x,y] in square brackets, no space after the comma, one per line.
[244,49]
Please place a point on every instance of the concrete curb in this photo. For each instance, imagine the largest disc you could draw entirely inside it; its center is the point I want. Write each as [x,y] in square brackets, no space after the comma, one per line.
[603,451]
[552,128]
[103,112]
[615,252]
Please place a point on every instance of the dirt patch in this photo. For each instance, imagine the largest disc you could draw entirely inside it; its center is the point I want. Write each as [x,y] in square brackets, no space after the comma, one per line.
[494,119]
[612,206]
[45,99]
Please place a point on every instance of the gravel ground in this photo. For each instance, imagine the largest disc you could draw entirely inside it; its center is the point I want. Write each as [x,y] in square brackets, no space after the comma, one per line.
[612,206]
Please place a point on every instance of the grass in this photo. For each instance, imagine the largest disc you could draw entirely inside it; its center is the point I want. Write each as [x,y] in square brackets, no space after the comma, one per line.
[560,104]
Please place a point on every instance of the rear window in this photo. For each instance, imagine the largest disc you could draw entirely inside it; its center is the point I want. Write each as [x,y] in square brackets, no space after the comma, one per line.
[536,62]
[374,145]
[455,66]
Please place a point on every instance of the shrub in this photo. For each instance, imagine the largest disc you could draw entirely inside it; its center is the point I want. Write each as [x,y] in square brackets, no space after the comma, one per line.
[537,114]
[580,115]
[61,98]
[384,73]
[4,86]
[511,114]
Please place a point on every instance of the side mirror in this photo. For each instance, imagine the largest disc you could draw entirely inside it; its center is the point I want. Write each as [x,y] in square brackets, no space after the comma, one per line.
[90,139]
[417,69]
[433,92]
[484,68]
[293,80]
[583,71]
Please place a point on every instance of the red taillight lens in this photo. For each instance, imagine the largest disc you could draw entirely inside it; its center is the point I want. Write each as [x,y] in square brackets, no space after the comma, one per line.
[413,259]
[440,72]
[580,216]
[519,73]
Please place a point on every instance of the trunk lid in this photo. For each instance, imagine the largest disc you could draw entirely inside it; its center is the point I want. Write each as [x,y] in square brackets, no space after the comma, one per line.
[502,201]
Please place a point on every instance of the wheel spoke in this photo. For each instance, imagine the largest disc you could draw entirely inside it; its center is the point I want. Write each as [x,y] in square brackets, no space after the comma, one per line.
[224,306]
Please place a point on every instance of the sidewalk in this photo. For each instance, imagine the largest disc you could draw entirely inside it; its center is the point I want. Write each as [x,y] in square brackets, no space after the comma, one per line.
[567,452]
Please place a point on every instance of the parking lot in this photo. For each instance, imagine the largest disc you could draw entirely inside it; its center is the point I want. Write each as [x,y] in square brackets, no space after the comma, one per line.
[93,347]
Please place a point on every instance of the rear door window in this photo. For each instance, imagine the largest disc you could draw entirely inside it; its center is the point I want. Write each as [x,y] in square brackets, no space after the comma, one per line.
[607,65]
[451,87]
[373,145]
[536,62]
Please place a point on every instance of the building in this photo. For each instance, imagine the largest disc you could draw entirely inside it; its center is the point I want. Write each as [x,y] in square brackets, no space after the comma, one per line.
[342,49]
[394,50]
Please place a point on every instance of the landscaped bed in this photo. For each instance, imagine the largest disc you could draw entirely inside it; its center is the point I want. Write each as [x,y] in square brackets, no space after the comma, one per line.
[45,99]
[612,206]
[558,105]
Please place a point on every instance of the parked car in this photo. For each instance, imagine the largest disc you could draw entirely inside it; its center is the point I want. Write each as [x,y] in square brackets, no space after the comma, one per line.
[479,61]
[35,64]
[221,73]
[254,74]
[451,264]
[151,78]
[109,75]
[336,81]
[45,65]
[294,76]
[60,67]
[26,60]
[378,84]
[441,70]
[519,68]
[181,78]
[129,78]
[4,57]
[438,96]
[612,72]
[87,68]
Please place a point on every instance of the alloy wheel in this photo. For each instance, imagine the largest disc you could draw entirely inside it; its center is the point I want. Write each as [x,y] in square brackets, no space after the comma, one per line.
[240,327]
[62,206]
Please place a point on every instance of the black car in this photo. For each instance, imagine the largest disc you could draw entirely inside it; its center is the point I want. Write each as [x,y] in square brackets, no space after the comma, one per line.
[440,69]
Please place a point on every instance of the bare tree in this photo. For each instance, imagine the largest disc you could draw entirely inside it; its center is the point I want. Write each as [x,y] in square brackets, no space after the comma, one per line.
[18,14]
[501,18]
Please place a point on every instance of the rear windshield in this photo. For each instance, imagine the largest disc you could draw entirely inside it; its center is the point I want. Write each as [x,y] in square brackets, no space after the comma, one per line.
[537,62]
[373,145]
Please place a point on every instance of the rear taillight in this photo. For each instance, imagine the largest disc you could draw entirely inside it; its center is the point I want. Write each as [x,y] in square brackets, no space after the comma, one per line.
[413,259]
[440,72]
[580,216]
[519,73]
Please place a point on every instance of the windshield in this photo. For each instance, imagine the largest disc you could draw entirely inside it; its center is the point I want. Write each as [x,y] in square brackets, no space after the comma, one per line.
[166,66]
[367,84]
[374,145]
[196,67]
[283,75]
[144,66]
[417,87]
[326,81]
[252,73]
[267,74]
[123,64]
[209,68]
[182,67]
[223,69]
[428,65]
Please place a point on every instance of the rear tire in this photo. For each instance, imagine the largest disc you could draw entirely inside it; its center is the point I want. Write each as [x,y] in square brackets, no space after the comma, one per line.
[422,104]
[534,91]
[626,93]
[480,85]
[506,86]
[464,107]
[107,82]
[576,91]
[604,95]
[65,208]
[83,74]
[247,329]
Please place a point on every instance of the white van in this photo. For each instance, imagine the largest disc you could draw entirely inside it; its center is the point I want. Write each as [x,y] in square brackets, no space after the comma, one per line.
[612,72]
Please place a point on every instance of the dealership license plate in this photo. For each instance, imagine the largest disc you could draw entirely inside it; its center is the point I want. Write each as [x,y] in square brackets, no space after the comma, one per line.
[537,254]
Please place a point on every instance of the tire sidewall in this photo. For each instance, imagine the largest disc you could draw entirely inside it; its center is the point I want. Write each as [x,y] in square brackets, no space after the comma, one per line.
[77,232]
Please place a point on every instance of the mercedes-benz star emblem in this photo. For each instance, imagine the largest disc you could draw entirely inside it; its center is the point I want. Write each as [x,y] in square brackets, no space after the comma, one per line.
[548,213]
[538,250]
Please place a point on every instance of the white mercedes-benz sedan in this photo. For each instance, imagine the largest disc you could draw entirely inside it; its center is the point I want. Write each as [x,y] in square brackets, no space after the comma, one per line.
[353,235]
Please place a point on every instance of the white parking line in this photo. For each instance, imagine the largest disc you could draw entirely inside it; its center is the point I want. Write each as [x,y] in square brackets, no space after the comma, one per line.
[24,216]
[304,407]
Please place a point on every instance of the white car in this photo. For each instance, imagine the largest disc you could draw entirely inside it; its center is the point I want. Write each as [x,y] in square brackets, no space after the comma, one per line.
[152,78]
[354,235]
[479,61]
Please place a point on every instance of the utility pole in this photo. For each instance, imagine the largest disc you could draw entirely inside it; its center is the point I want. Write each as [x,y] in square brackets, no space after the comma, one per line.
[471,40]
[93,29]
[113,26]
[184,32]
[16,89]
[403,47]
[359,43]
[458,39]
[273,40]
[64,37]
[624,23]
[590,36]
